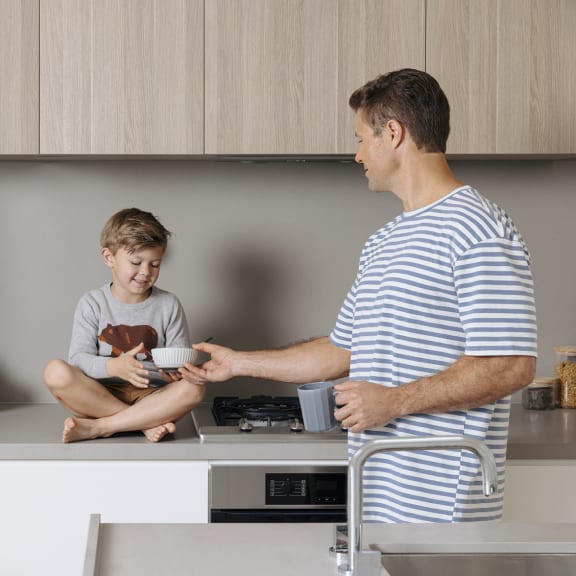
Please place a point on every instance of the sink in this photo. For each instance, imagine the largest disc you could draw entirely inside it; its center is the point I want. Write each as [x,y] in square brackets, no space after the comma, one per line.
[470,549]
[479,564]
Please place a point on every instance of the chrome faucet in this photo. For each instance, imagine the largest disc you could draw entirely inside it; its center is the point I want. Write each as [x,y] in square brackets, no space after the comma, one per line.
[368,562]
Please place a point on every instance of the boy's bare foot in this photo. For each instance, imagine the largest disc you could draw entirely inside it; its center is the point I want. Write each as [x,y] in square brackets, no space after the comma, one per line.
[158,432]
[76,429]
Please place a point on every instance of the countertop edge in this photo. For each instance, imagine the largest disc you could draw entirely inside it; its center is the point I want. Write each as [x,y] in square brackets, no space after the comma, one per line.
[32,432]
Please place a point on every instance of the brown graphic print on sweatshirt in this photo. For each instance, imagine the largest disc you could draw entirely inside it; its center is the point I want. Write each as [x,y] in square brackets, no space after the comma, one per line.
[123,338]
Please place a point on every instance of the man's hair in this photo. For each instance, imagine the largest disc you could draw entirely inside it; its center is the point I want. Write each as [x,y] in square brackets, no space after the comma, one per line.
[413,98]
[133,230]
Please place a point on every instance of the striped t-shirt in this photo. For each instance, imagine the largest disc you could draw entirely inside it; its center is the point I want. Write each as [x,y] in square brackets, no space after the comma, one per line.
[450,279]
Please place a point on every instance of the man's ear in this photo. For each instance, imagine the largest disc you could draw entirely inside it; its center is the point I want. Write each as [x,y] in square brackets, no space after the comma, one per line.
[396,132]
[107,256]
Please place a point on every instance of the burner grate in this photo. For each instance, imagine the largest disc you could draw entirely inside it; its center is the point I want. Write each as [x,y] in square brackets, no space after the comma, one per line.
[262,411]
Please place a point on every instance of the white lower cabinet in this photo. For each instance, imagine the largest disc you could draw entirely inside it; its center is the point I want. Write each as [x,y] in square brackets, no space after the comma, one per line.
[45,506]
[540,491]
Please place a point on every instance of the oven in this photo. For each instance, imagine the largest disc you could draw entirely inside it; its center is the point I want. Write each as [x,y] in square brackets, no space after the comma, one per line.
[270,491]
[277,493]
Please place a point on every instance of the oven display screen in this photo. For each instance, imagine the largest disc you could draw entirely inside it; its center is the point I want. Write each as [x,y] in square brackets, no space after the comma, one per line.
[306,489]
[326,487]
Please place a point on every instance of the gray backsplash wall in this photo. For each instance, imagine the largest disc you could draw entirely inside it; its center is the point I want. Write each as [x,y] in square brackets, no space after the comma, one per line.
[262,253]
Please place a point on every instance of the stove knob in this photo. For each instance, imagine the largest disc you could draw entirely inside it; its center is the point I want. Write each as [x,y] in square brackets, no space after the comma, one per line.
[296,425]
[245,425]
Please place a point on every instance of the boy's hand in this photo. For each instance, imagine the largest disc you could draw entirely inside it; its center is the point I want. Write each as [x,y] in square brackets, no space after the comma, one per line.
[128,368]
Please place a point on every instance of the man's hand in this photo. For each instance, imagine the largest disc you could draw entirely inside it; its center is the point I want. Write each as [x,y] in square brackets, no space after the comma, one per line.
[363,405]
[170,375]
[128,368]
[219,368]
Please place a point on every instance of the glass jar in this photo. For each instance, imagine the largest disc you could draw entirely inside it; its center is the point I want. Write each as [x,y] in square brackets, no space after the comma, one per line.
[542,394]
[566,374]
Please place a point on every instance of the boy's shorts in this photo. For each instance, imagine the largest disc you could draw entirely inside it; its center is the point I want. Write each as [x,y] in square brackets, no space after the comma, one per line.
[128,393]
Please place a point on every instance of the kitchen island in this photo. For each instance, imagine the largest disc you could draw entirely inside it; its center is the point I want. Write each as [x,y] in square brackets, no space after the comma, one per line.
[289,549]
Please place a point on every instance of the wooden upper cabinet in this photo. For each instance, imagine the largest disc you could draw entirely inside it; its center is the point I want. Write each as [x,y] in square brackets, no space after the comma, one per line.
[121,76]
[19,76]
[279,72]
[509,70]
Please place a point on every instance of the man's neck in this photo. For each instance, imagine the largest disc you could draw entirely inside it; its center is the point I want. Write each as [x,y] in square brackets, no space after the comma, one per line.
[425,179]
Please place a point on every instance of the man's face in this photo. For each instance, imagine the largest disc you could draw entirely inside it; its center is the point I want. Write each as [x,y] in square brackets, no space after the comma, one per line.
[374,154]
[133,273]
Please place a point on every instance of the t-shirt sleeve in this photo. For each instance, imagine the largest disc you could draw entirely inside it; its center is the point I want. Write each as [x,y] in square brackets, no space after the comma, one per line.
[495,293]
[341,334]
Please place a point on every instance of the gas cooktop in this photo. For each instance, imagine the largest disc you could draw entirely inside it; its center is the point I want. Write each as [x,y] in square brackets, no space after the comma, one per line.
[261,418]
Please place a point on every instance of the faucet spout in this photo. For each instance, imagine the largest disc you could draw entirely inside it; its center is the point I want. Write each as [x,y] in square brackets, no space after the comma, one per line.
[357,461]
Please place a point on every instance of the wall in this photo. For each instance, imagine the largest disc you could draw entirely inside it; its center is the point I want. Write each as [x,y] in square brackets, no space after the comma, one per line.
[262,253]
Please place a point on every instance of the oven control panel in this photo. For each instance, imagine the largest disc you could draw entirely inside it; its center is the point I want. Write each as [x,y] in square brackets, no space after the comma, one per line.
[317,488]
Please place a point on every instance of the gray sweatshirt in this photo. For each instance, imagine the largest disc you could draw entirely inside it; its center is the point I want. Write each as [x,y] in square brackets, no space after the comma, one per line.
[104,327]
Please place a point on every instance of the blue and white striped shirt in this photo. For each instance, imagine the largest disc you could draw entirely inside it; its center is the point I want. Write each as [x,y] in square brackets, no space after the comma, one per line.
[450,279]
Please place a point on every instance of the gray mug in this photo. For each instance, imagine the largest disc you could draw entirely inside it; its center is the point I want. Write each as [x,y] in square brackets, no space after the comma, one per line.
[318,405]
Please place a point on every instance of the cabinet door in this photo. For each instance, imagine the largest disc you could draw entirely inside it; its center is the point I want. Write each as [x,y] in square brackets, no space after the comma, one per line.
[279,72]
[121,76]
[46,506]
[19,73]
[540,491]
[508,68]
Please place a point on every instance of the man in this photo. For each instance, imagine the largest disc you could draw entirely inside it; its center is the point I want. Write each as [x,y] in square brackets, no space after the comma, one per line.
[439,327]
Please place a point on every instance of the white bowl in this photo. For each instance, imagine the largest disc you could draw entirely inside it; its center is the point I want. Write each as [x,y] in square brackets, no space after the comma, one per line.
[173,357]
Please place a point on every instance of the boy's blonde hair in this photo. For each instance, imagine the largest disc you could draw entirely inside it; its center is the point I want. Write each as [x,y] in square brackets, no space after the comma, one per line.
[133,230]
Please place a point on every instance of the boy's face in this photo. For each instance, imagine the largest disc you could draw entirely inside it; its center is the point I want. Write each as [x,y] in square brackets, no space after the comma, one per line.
[133,274]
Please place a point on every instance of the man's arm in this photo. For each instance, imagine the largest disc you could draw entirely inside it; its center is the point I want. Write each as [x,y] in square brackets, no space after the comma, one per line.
[470,382]
[309,361]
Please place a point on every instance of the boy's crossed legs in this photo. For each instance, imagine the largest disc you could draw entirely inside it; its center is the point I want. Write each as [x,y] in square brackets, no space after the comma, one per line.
[98,413]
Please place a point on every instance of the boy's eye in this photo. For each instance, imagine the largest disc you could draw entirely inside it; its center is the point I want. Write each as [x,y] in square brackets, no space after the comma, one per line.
[135,263]
[155,264]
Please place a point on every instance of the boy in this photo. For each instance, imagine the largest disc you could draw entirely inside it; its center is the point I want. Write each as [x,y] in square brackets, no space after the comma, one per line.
[110,384]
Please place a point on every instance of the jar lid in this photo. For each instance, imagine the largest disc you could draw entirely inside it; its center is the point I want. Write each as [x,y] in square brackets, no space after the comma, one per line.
[565,350]
[543,383]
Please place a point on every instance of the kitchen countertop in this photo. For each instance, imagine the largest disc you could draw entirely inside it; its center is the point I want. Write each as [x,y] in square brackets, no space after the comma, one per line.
[541,434]
[288,549]
[33,431]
